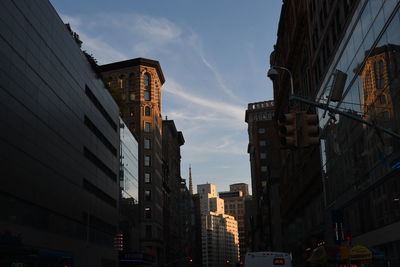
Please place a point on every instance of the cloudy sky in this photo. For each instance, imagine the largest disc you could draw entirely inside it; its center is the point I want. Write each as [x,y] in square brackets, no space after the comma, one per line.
[214,55]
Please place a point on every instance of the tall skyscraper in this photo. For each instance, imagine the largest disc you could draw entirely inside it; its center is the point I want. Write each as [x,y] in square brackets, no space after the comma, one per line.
[219,231]
[190,180]
[136,85]
[234,201]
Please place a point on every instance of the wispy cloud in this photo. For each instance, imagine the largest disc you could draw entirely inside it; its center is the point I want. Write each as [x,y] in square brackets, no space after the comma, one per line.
[194,42]
[102,50]
[211,125]
[146,36]
[224,109]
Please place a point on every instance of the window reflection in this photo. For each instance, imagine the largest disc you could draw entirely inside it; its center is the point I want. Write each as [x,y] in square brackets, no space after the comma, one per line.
[354,155]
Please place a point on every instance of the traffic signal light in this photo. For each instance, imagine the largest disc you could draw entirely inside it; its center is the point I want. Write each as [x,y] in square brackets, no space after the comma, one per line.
[309,130]
[288,130]
[190,260]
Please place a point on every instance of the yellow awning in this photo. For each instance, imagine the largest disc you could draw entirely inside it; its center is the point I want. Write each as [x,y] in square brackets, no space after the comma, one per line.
[360,253]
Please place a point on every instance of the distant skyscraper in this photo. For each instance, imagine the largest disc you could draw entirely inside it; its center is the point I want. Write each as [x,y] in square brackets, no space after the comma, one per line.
[235,206]
[190,180]
[219,231]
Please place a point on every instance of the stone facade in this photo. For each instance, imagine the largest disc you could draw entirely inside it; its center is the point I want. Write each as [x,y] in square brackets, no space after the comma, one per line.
[136,85]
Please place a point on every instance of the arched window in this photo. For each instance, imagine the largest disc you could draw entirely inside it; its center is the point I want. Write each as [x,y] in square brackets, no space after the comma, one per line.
[146,79]
[147,91]
[121,81]
[147,111]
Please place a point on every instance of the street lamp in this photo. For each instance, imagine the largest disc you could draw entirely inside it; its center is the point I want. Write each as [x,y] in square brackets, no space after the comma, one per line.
[273,71]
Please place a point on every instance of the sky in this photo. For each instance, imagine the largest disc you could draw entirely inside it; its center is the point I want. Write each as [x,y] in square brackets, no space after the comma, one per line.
[214,55]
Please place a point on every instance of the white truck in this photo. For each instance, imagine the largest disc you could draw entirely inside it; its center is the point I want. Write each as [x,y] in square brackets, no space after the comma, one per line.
[268,259]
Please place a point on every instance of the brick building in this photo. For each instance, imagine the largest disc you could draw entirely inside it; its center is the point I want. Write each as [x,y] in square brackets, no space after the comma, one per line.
[263,148]
[136,85]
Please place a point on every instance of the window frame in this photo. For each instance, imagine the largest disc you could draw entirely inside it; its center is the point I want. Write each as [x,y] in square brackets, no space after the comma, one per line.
[147,161]
[147,111]
[147,127]
[147,143]
[147,195]
[147,178]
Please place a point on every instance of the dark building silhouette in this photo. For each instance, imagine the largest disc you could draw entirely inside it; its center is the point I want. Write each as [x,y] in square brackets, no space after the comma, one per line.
[178,203]
[59,142]
[264,150]
[351,180]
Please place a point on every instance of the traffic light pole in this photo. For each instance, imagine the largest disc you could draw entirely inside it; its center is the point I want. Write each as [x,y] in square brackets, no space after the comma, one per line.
[344,114]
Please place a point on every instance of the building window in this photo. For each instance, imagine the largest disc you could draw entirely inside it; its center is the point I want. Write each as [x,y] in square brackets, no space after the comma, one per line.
[147,195]
[263,143]
[147,127]
[263,168]
[385,115]
[263,155]
[147,160]
[147,213]
[132,96]
[146,79]
[379,71]
[147,143]
[147,178]
[148,231]
[121,81]
[382,99]
[147,95]
[261,130]
[147,111]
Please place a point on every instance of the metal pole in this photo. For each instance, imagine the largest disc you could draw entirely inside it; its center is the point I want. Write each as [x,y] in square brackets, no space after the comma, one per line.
[290,75]
[344,114]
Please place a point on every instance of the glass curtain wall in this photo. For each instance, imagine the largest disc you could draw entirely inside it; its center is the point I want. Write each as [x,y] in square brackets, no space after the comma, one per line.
[359,160]
[129,178]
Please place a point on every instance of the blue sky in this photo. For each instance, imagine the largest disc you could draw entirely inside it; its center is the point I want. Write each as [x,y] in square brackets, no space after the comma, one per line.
[214,55]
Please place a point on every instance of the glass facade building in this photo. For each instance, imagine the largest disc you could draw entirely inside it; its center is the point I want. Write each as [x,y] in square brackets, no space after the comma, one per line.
[129,178]
[360,164]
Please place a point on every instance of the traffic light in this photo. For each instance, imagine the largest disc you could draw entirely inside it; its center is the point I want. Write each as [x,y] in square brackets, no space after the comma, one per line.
[288,130]
[309,130]
[190,260]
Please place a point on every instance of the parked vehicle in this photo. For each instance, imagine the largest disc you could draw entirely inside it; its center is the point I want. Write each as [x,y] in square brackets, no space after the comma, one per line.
[268,259]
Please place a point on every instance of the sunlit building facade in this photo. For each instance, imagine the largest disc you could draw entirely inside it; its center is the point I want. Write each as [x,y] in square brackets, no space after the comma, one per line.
[136,87]
[219,231]
[234,201]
